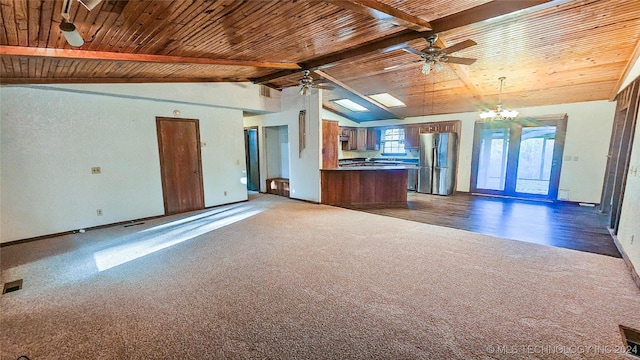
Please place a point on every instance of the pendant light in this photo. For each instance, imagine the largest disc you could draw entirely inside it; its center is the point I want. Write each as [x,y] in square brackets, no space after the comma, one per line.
[69,30]
[500,113]
[71,34]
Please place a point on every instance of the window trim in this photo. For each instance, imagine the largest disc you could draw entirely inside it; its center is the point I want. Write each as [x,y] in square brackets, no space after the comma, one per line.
[401,141]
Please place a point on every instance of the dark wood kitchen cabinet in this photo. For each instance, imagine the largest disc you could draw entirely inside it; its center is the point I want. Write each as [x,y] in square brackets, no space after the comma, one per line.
[330,136]
[440,127]
[412,136]
[349,138]
[373,139]
[361,139]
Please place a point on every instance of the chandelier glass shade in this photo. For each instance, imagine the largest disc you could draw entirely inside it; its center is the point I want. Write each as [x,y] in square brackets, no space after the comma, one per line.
[500,113]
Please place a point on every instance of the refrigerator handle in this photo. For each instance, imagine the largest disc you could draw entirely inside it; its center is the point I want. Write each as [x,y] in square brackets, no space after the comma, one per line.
[434,160]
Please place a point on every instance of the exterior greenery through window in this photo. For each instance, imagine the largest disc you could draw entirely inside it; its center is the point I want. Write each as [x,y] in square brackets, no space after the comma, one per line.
[393,142]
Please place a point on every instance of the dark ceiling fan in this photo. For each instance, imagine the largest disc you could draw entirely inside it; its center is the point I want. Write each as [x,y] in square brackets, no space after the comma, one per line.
[433,56]
[307,83]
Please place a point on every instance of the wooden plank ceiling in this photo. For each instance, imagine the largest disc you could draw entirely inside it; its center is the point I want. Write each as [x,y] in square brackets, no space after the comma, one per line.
[550,52]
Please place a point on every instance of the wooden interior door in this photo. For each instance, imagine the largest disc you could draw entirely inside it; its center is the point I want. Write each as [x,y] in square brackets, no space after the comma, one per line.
[330,133]
[627,107]
[180,164]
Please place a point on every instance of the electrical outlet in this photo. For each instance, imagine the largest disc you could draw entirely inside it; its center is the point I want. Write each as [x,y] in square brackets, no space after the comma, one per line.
[99,212]
[96,170]
[225,193]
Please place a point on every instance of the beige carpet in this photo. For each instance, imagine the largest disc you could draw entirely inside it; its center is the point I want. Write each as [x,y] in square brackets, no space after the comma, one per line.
[293,280]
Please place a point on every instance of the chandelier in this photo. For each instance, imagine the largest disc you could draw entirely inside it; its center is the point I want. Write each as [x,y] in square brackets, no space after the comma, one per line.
[499,113]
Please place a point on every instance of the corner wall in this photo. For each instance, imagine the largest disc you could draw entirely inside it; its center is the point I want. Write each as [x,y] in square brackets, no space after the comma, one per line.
[304,166]
[629,229]
[51,137]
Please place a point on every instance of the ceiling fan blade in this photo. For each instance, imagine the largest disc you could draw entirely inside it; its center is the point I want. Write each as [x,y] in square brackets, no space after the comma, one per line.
[412,51]
[324,86]
[460,60]
[459,46]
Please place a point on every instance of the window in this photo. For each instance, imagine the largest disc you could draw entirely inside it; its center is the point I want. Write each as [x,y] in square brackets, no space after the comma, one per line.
[393,142]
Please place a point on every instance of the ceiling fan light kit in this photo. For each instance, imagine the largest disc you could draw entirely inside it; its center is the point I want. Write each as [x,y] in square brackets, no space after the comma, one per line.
[68,29]
[500,113]
[71,34]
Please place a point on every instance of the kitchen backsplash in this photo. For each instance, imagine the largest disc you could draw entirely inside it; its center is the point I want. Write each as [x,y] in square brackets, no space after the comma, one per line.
[343,154]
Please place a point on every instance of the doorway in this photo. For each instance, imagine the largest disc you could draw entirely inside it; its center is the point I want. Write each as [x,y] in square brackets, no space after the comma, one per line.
[519,159]
[619,157]
[252,158]
[180,164]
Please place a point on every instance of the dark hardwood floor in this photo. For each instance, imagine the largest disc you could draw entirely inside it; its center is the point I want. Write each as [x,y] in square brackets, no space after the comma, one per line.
[565,225]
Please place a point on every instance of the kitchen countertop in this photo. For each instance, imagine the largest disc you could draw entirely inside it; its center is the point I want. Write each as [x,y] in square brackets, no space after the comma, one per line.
[372,167]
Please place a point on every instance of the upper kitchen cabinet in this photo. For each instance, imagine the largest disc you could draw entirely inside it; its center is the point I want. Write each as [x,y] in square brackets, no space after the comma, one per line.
[359,139]
[440,127]
[349,138]
[373,139]
[412,136]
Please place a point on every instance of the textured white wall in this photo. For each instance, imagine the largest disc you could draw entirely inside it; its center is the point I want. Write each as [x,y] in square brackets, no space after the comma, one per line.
[273,151]
[629,229]
[304,173]
[51,138]
[224,95]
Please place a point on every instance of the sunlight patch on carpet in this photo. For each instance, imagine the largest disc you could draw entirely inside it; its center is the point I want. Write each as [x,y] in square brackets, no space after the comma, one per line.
[163,236]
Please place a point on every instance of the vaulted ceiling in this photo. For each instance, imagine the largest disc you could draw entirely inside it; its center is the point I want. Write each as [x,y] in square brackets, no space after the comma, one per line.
[550,52]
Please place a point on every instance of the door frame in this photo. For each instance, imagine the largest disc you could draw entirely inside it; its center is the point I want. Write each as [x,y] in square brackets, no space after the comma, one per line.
[515,133]
[619,156]
[196,122]
[257,129]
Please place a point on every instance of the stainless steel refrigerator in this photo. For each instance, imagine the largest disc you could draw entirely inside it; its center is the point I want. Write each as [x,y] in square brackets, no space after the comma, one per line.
[437,166]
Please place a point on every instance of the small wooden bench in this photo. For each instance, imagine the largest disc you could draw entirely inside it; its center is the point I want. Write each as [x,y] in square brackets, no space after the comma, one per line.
[278,186]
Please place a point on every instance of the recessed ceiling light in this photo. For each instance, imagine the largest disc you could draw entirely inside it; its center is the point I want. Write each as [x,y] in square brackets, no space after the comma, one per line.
[387,100]
[351,105]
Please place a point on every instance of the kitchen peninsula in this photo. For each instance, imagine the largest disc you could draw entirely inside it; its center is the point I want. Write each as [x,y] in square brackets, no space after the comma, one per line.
[361,186]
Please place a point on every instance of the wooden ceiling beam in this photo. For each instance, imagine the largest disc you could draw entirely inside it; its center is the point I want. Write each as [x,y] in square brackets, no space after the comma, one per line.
[462,74]
[110,80]
[113,56]
[354,91]
[466,17]
[384,12]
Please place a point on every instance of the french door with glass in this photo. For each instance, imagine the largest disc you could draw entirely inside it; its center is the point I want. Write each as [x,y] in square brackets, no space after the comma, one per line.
[518,158]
